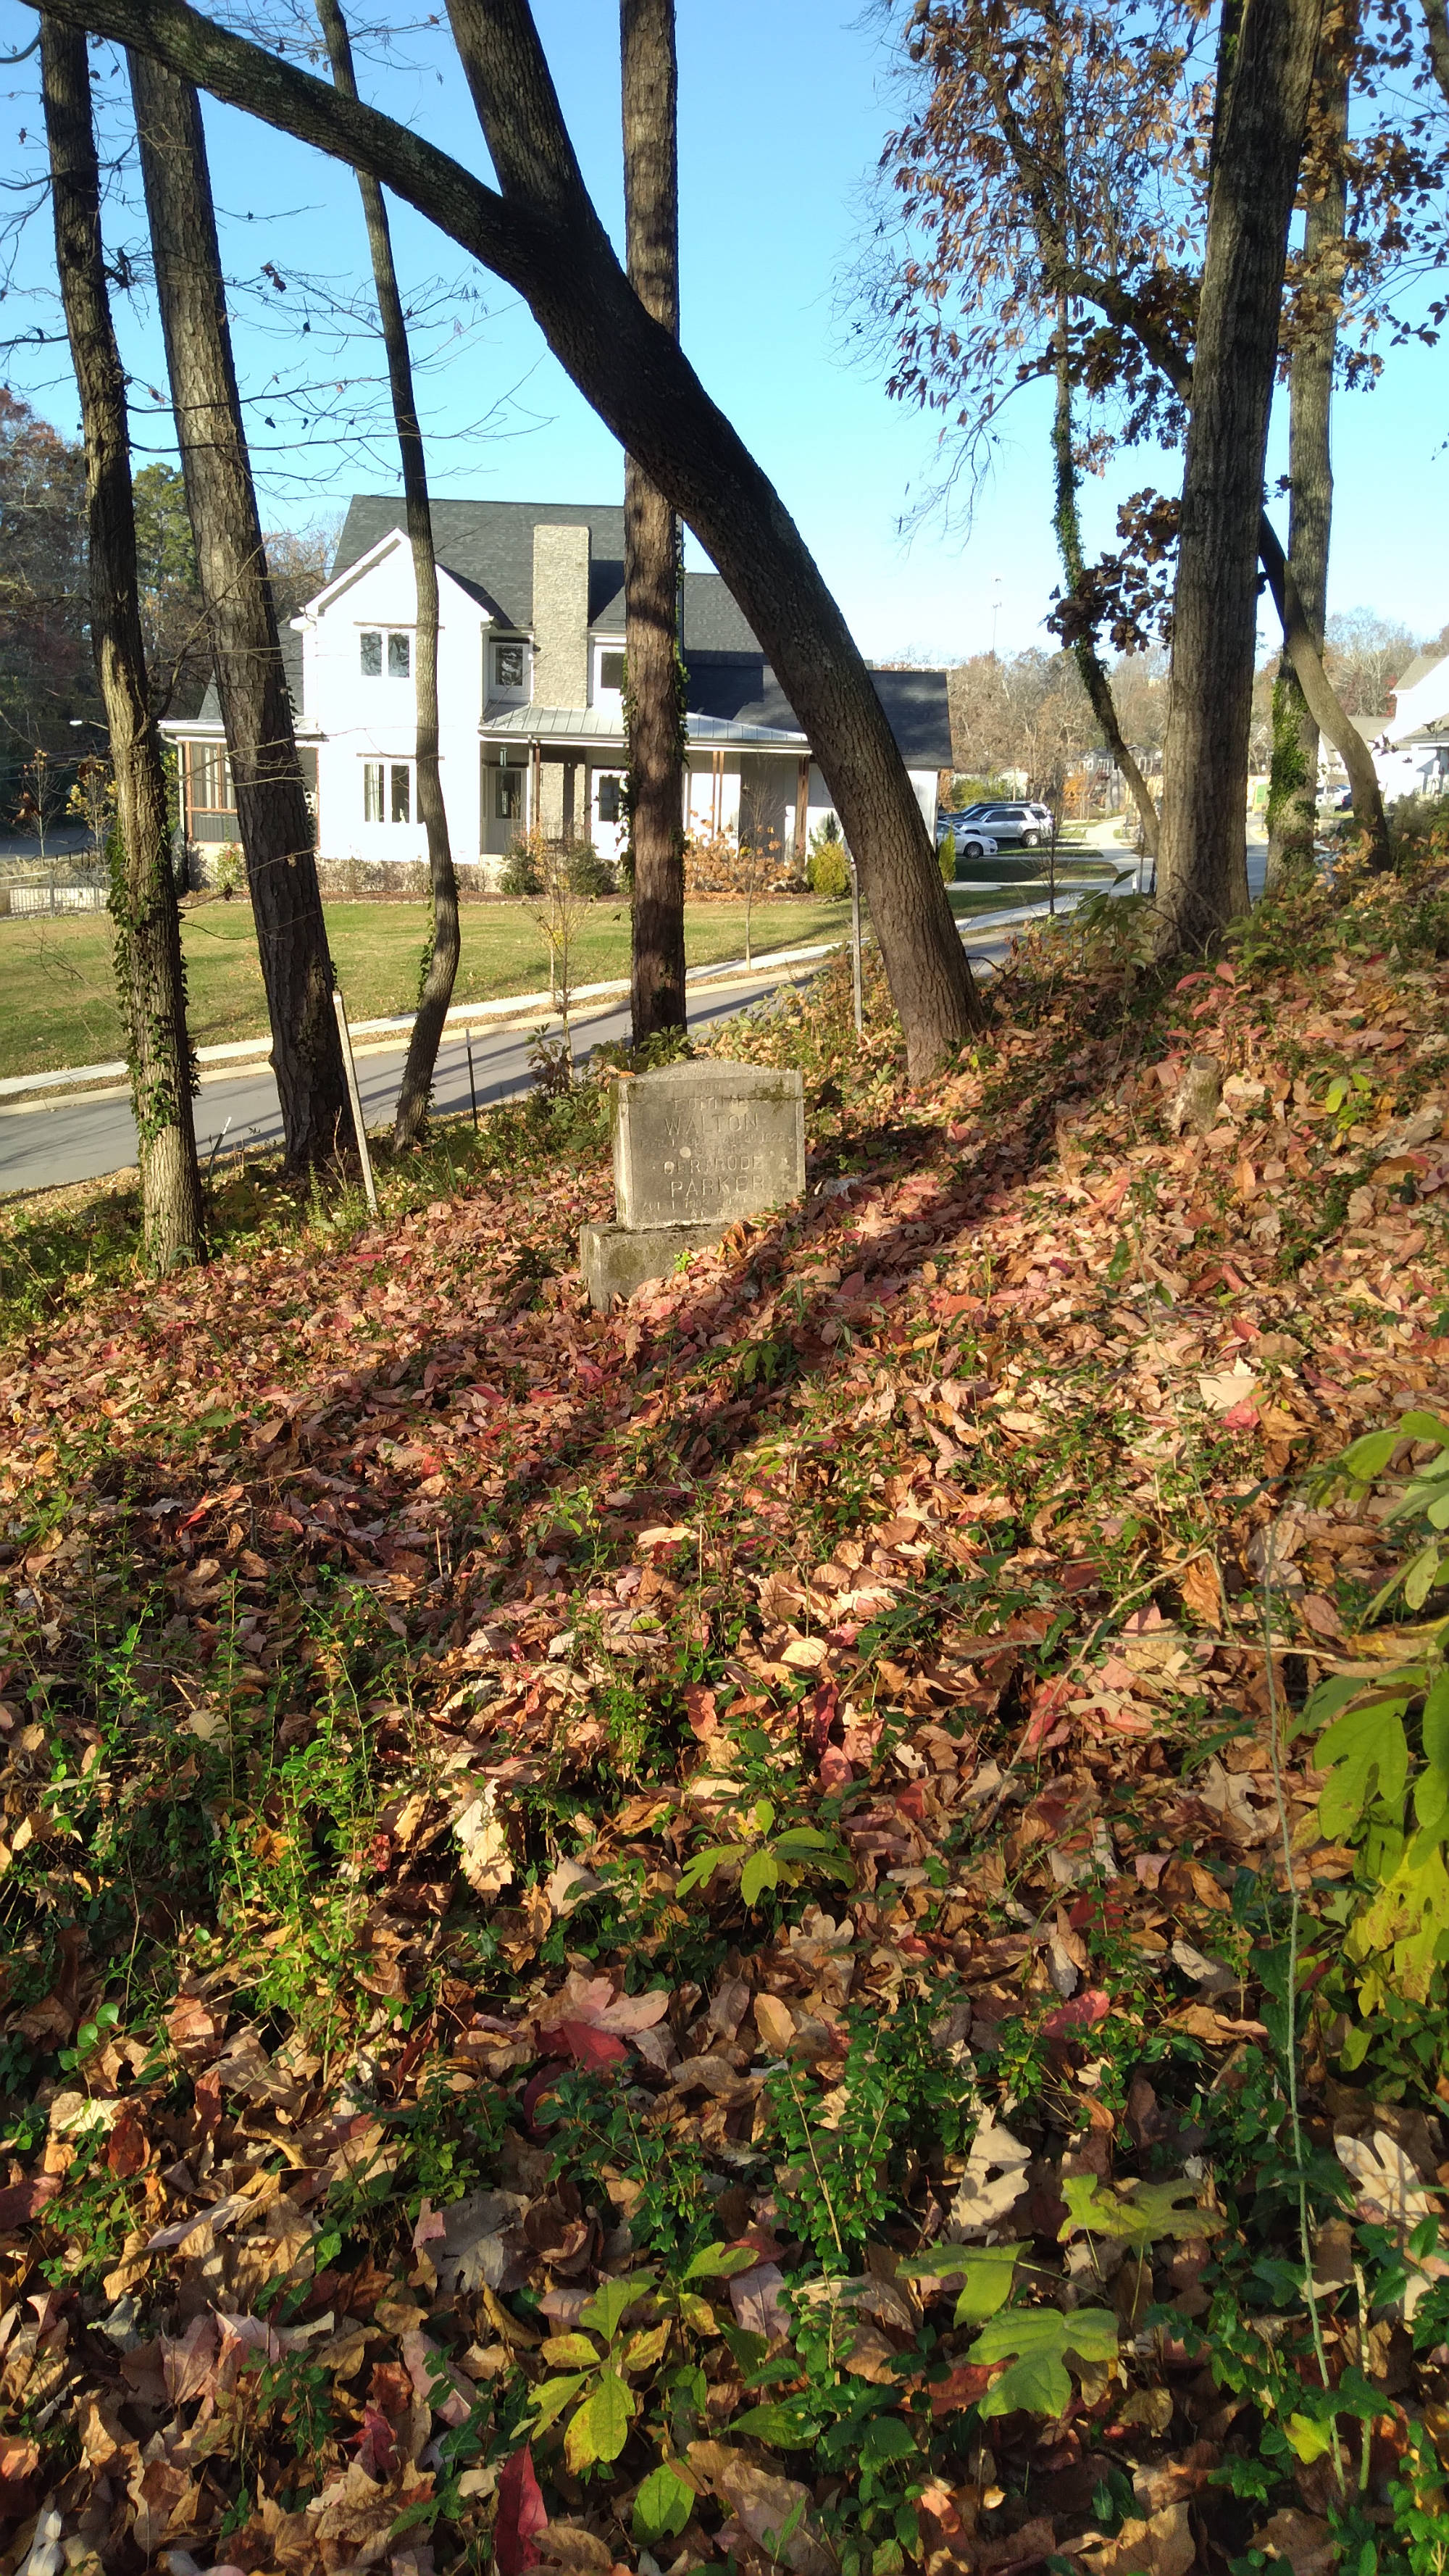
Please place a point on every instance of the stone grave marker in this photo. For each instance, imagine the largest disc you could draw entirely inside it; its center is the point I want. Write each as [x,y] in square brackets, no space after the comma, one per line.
[696,1145]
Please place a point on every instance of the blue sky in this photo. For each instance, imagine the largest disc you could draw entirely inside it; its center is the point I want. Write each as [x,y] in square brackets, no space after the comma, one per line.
[782,111]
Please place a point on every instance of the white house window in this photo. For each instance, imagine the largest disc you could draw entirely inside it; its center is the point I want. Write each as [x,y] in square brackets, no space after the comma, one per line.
[608,806]
[508,666]
[387,791]
[611,670]
[399,655]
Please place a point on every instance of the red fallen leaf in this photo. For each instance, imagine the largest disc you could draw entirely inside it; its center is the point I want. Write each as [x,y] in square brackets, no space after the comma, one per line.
[377,2444]
[1241,1417]
[1082,2013]
[834,1771]
[1046,1708]
[699,1709]
[127,2146]
[967,2382]
[1113,1195]
[207,2102]
[21,2200]
[587,2045]
[520,2515]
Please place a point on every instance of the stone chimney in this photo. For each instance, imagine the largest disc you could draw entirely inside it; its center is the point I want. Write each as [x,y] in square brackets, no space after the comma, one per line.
[561,617]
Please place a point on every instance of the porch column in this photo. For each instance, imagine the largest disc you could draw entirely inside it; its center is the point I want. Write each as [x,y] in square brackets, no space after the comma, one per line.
[535,792]
[802,809]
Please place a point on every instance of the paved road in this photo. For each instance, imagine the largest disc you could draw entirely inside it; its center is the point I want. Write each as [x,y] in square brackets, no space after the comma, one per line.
[46,1144]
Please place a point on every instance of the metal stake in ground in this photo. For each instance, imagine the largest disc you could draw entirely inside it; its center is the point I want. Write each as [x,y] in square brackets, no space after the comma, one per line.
[472,1086]
[355,1096]
[855,943]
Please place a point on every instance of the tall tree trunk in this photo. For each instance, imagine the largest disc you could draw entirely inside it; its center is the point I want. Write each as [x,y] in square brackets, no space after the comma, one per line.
[1265,82]
[1069,541]
[544,238]
[655,697]
[1293,785]
[1127,312]
[150,972]
[272,811]
[442,959]
[1436,22]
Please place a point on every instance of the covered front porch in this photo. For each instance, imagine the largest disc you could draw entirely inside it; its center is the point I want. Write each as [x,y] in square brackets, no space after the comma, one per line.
[561,771]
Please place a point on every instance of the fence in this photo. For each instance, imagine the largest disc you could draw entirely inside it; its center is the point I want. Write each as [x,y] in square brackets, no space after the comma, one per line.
[18,900]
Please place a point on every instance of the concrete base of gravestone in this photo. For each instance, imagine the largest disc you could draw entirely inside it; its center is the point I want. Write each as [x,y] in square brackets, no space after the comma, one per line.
[617,1259]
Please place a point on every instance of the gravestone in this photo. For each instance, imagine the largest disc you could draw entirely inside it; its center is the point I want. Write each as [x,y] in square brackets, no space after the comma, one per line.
[696,1146]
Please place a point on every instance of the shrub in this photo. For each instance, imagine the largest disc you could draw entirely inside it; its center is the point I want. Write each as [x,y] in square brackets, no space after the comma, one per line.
[828,866]
[228,873]
[521,872]
[946,854]
[588,874]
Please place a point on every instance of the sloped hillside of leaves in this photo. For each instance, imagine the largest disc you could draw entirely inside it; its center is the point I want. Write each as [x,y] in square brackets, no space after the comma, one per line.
[703,1937]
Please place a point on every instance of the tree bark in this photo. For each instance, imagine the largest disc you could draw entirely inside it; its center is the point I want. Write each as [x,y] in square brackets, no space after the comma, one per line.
[440,970]
[1266,78]
[1127,313]
[655,696]
[543,237]
[1069,541]
[1436,21]
[150,971]
[1293,785]
[272,811]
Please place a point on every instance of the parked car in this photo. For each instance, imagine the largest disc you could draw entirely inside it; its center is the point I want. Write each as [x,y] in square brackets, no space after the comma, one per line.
[971,842]
[1019,825]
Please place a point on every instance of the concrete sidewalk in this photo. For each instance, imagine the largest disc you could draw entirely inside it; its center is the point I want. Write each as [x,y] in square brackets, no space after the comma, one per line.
[508,1006]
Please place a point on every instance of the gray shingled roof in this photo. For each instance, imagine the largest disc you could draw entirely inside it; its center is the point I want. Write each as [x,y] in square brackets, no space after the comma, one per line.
[1419,669]
[747,692]
[488,547]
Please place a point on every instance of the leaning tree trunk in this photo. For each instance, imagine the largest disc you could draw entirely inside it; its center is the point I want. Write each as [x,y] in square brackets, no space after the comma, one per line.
[150,971]
[1069,541]
[542,235]
[272,810]
[1202,876]
[1293,784]
[655,695]
[441,966]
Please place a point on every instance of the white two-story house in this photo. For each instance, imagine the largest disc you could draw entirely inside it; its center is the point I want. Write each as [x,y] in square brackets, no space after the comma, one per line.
[530,698]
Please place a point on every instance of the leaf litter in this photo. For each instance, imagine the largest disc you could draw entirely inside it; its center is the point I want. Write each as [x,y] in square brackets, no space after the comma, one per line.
[652,1940]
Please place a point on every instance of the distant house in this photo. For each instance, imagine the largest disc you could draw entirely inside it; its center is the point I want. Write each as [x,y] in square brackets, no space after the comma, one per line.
[1411,744]
[530,691]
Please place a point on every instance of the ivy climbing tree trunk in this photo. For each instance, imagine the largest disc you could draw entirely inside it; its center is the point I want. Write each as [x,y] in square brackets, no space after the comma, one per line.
[1264,81]
[272,812]
[150,971]
[1069,542]
[1293,781]
[441,963]
[654,675]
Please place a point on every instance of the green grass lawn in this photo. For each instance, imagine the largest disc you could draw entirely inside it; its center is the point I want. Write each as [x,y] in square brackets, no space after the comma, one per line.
[57,1004]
